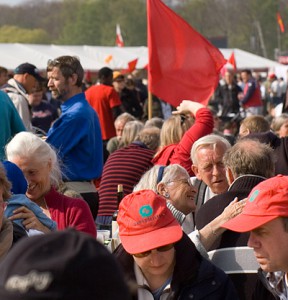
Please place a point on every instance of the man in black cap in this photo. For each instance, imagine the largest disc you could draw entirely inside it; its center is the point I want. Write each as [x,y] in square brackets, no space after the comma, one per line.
[18,88]
[63,265]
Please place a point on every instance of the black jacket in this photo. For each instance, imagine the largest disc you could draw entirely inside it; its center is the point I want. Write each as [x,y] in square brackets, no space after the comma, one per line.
[193,277]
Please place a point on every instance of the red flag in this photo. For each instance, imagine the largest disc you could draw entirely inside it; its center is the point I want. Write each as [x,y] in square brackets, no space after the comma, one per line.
[231,60]
[119,39]
[280,22]
[131,66]
[182,63]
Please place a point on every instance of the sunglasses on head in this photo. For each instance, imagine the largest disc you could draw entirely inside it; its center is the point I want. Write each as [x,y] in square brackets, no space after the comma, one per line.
[159,249]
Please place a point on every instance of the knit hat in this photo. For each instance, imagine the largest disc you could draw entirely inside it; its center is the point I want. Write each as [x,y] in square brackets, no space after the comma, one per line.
[266,202]
[145,222]
[66,265]
[16,177]
[30,69]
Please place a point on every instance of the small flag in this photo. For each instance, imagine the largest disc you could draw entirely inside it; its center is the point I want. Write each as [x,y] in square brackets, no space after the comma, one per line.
[280,22]
[119,39]
[131,66]
[231,60]
[108,59]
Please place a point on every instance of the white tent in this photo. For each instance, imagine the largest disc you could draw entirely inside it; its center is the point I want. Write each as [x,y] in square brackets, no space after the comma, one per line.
[94,57]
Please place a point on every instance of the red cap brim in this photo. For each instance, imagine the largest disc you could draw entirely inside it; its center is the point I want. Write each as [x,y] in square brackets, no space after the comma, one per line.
[157,238]
[245,223]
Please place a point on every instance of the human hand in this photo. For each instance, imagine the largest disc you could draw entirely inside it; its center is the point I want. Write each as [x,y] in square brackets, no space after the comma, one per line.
[233,209]
[188,107]
[30,221]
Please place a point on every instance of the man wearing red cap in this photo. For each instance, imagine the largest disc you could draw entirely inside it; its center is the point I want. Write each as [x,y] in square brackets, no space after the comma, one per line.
[266,217]
[160,258]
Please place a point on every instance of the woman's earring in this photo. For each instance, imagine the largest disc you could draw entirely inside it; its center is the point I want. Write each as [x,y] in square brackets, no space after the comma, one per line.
[166,195]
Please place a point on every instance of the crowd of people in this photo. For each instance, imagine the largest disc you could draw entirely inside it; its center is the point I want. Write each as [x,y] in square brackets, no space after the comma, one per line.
[204,208]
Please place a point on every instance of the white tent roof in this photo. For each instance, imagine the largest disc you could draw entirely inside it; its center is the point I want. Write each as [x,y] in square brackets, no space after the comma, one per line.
[94,57]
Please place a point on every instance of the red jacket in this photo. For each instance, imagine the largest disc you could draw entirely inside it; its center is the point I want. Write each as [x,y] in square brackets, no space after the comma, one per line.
[180,153]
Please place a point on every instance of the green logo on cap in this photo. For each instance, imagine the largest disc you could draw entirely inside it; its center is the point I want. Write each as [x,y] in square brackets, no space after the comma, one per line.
[146,211]
[254,195]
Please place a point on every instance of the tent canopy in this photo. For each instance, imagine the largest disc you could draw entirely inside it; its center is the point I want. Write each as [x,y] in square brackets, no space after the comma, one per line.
[94,57]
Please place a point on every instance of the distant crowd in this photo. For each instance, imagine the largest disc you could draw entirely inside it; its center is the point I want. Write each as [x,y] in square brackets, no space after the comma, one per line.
[194,198]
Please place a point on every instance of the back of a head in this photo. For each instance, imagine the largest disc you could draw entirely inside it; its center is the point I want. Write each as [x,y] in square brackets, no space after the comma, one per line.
[28,145]
[252,157]
[63,265]
[125,117]
[150,137]
[105,75]
[155,121]
[130,132]
[210,140]
[254,124]
[173,129]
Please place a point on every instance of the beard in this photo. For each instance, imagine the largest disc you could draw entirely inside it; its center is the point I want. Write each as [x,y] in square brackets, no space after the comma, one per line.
[60,94]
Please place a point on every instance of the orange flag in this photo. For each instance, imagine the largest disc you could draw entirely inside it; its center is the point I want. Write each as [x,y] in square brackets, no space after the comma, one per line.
[108,59]
[182,63]
[231,60]
[280,22]
[119,39]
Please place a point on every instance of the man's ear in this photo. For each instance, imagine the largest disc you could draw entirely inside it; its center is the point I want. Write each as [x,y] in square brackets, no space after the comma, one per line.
[196,172]
[74,78]
[229,176]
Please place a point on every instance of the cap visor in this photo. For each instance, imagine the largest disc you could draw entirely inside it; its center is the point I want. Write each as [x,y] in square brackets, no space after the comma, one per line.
[244,223]
[151,240]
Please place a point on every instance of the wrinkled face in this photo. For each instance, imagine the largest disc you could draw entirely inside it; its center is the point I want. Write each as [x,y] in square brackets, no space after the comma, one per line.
[270,242]
[211,169]
[119,126]
[35,98]
[157,264]
[58,85]
[182,194]
[37,174]
[283,131]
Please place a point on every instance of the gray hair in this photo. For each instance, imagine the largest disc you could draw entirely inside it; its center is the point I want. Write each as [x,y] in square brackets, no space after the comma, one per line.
[130,132]
[250,156]
[150,137]
[27,144]
[150,179]
[207,141]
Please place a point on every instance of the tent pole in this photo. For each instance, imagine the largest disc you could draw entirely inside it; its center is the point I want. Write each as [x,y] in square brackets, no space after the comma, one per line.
[149,105]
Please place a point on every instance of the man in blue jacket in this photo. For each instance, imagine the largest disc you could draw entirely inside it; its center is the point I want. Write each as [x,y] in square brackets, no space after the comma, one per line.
[76,134]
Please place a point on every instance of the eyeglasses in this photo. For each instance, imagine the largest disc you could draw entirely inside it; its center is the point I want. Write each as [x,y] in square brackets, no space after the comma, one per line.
[159,249]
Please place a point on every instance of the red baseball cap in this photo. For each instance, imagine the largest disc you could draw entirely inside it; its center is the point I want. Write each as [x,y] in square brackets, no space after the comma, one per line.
[266,202]
[145,222]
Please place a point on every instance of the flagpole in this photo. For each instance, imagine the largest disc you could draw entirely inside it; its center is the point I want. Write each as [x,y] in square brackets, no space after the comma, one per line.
[149,105]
